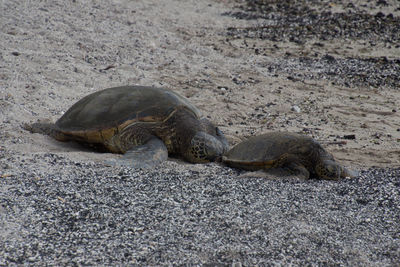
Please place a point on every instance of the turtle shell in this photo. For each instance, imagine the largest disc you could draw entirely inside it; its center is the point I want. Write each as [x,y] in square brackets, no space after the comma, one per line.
[262,152]
[99,116]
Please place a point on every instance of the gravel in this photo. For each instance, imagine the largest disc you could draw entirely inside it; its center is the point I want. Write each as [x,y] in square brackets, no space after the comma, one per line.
[318,24]
[76,213]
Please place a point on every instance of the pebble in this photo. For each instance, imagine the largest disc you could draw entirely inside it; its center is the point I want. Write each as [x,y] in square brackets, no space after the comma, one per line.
[296,109]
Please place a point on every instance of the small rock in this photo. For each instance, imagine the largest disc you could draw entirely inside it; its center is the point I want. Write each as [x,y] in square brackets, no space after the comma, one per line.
[379,15]
[32,258]
[296,109]
[329,58]
[381,3]
[349,136]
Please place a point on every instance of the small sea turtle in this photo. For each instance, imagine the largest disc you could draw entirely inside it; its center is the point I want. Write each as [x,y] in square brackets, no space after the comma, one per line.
[300,154]
[143,123]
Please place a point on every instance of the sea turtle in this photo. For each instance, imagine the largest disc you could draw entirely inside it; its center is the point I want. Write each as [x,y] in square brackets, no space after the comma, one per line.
[143,123]
[298,153]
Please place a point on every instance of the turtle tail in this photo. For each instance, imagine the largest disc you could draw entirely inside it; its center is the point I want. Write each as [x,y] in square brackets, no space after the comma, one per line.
[45,128]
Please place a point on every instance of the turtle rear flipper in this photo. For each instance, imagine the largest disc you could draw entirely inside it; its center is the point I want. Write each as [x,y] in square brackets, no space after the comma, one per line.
[145,156]
[46,128]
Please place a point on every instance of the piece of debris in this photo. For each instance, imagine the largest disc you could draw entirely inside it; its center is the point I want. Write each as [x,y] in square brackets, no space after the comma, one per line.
[349,136]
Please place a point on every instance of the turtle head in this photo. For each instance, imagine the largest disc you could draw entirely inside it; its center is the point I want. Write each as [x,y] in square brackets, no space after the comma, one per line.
[331,170]
[207,144]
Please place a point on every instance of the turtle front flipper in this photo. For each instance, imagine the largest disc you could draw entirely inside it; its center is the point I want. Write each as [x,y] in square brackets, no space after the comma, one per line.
[298,170]
[145,156]
[290,162]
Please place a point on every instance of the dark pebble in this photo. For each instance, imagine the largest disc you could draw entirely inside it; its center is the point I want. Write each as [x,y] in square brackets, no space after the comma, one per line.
[349,136]
[328,58]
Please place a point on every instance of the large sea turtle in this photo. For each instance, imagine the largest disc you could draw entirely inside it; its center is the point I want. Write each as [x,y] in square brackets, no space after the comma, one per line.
[143,123]
[300,154]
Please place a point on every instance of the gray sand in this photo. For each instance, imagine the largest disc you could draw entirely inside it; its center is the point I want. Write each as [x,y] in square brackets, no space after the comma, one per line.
[60,205]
